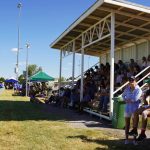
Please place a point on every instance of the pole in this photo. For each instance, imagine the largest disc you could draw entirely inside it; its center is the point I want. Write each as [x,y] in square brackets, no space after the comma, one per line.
[27,46]
[17,65]
[73,64]
[82,70]
[82,74]
[60,70]
[112,62]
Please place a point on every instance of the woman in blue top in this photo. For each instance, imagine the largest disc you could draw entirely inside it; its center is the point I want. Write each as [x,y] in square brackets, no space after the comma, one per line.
[131,96]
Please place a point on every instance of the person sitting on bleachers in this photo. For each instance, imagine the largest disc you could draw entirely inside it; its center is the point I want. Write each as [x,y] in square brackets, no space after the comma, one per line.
[119,78]
[96,76]
[121,65]
[129,72]
[96,68]
[94,103]
[116,68]
[92,89]
[148,60]
[104,97]
[136,70]
[144,62]
[86,99]
[132,63]
[66,98]
[74,98]
[107,66]
[60,96]
[101,66]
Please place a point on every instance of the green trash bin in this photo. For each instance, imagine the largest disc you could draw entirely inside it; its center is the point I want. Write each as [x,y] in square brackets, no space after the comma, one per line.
[118,120]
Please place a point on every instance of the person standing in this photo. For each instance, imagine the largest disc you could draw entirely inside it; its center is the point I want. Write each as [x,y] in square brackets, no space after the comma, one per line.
[144,110]
[131,96]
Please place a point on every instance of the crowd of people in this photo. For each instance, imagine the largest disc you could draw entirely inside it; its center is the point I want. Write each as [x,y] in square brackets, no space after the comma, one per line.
[96,91]
[33,88]
[96,86]
[38,90]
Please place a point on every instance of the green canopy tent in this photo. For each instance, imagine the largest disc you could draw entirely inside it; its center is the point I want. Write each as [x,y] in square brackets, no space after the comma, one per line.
[41,77]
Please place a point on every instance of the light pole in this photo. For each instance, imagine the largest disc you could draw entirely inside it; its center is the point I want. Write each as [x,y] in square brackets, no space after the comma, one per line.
[27,46]
[19,6]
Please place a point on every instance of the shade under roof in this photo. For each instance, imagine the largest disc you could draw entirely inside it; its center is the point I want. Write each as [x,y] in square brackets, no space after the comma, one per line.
[132,22]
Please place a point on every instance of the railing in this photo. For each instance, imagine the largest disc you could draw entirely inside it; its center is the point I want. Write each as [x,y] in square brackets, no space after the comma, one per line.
[135,77]
[83,72]
[86,70]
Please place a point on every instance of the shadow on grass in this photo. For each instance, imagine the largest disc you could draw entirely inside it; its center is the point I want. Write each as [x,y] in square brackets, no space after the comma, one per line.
[25,110]
[116,144]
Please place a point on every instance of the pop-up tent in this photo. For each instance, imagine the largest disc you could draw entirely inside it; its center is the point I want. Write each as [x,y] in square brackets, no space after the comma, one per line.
[11,80]
[41,77]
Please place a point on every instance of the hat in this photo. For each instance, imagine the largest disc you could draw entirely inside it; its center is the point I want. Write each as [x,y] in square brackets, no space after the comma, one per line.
[132,78]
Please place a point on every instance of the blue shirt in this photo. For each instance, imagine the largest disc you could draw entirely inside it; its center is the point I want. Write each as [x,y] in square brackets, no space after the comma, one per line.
[134,96]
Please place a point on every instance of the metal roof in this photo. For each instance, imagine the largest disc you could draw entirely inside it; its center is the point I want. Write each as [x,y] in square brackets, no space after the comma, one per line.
[132,22]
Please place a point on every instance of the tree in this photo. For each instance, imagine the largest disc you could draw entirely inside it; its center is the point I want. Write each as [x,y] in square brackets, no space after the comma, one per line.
[2,79]
[21,78]
[32,69]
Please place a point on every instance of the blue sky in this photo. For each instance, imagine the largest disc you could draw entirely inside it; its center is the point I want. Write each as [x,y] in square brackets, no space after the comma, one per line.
[41,22]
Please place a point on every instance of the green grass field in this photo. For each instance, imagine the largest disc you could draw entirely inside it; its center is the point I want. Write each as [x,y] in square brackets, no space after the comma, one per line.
[25,126]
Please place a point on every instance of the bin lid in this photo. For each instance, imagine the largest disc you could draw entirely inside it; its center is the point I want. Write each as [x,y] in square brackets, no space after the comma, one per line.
[118,99]
[147,80]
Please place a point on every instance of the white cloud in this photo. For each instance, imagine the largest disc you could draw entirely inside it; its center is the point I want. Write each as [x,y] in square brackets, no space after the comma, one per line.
[14,49]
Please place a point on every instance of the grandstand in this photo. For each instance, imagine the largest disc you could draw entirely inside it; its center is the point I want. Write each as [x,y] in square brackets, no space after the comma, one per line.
[114,31]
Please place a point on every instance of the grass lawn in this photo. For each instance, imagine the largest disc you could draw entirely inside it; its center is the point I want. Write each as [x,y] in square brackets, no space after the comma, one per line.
[25,126]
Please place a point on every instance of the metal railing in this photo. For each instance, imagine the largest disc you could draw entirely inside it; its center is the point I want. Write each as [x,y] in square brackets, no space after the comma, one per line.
[84,72]
[135,77]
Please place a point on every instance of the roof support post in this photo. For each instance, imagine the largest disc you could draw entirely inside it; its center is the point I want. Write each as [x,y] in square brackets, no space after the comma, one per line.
[60,70]
[73,64]
[136,54]
[82,70]
[121,50]
[148,47]
[82,74]
[112,62]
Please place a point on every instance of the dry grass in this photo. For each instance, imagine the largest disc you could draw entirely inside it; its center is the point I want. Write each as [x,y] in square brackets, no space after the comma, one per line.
[24,126]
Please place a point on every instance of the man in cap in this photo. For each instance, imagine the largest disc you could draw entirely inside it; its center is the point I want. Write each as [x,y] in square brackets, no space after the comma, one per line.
[144,110]
[131,96]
